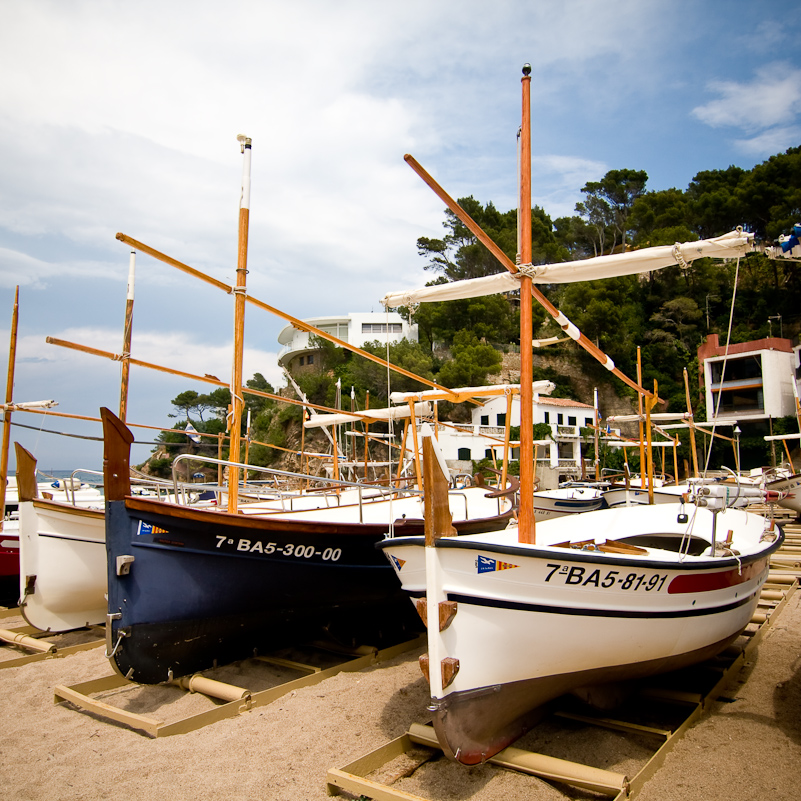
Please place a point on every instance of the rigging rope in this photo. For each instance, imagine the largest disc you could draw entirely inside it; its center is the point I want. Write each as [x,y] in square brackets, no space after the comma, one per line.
[41,430]
[723,369]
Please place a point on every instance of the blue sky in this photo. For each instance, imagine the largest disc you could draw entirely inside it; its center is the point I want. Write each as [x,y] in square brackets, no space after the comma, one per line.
[124,116]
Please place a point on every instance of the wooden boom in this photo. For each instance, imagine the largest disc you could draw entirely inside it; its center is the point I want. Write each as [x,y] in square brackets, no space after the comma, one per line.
[296,323]
[488,243]
[208,379]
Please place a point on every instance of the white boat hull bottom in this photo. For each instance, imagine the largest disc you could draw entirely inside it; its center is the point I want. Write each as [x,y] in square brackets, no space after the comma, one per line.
[63,580]
[470,718]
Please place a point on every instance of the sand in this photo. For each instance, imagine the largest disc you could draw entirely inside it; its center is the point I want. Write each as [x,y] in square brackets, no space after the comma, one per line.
[748,747]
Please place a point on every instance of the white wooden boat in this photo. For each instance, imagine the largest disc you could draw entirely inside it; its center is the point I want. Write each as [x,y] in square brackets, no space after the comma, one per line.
[567,501]
[790,489]
[605,596]
[62,556]
[518,617]
[70,492]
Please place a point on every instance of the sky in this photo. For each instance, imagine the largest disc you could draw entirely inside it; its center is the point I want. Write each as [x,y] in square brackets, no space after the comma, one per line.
[123,117]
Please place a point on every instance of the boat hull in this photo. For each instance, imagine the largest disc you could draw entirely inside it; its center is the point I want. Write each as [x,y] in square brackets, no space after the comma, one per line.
[792,487]
[559,503]
[207,586]
[535,622]
[474,725]
[9,550]
[62,565]
[620,496]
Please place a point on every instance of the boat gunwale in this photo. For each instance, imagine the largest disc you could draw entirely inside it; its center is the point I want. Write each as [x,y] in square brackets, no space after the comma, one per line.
[273,523]
[58,506]
[576,555]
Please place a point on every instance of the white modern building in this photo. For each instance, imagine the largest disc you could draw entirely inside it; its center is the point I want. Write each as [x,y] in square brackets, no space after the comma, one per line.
[757,382]
[463,443]
[355,329]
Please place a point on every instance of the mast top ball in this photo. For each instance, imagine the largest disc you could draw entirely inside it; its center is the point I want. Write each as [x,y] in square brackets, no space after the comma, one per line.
[526,69]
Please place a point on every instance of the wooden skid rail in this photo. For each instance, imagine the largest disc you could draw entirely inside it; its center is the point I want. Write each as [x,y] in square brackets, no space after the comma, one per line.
[238,699]
[21,638]
[781,585]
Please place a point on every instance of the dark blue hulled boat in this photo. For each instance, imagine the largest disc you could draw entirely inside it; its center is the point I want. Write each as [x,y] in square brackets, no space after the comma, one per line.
[191,586]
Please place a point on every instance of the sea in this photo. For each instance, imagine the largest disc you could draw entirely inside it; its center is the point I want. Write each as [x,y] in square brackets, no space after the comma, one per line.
[89,476]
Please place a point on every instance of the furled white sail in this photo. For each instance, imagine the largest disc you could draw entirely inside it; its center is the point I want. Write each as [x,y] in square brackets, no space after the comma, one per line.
[728,246]
[538,387]
[377,415]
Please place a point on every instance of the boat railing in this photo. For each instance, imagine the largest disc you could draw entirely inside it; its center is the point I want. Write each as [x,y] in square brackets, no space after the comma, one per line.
[69,488]
[379,492]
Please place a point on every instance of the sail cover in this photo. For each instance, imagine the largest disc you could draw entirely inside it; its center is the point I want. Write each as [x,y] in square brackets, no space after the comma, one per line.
[492,390]
[373,415]
[728,246]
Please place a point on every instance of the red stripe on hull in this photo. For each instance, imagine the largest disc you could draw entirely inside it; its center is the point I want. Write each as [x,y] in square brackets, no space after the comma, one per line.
[708,582]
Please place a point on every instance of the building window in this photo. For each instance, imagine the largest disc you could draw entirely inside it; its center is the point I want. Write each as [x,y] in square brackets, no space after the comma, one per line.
[560,419]
[488,453]
[738,369]
[502,419]
[547,417]
[310,359]
[300,361]
[484,419]
[571,421]
[464,454]
[382,328]
[588,422]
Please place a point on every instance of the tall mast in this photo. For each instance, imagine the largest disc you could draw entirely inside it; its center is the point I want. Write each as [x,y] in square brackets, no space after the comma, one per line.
[526,513]
[237,402]
[12,359]
[126,339]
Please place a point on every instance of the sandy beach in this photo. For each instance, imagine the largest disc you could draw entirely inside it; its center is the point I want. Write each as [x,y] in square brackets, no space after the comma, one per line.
[748,747]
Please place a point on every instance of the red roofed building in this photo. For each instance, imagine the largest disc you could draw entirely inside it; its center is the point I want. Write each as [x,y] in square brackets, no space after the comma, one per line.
[753,381]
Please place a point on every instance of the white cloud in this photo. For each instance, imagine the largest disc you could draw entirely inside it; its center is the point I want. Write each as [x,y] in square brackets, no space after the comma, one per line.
[175,350]
[20,269]
[565,175]
[772,98]
[774,140]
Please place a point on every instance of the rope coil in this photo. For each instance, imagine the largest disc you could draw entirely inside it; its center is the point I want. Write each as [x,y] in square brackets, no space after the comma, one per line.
[677,254]
[529,270]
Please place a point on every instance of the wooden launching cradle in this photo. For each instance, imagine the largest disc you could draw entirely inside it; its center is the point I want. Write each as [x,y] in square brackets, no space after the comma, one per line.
[712,679]
[24,638]
[237,699]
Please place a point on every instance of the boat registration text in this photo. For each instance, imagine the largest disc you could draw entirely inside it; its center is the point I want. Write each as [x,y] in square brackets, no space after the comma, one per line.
[288,549]
[577,575]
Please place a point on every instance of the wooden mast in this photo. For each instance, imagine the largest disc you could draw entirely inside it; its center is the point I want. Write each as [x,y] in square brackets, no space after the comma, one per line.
[691,421]
[526,531]
[126,338]
[237,401]
[643,468]
[12,360]
[597,424]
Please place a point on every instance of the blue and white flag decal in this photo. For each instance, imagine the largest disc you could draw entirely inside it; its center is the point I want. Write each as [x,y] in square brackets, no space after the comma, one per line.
[399,563]
[146,529]
[486,565]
